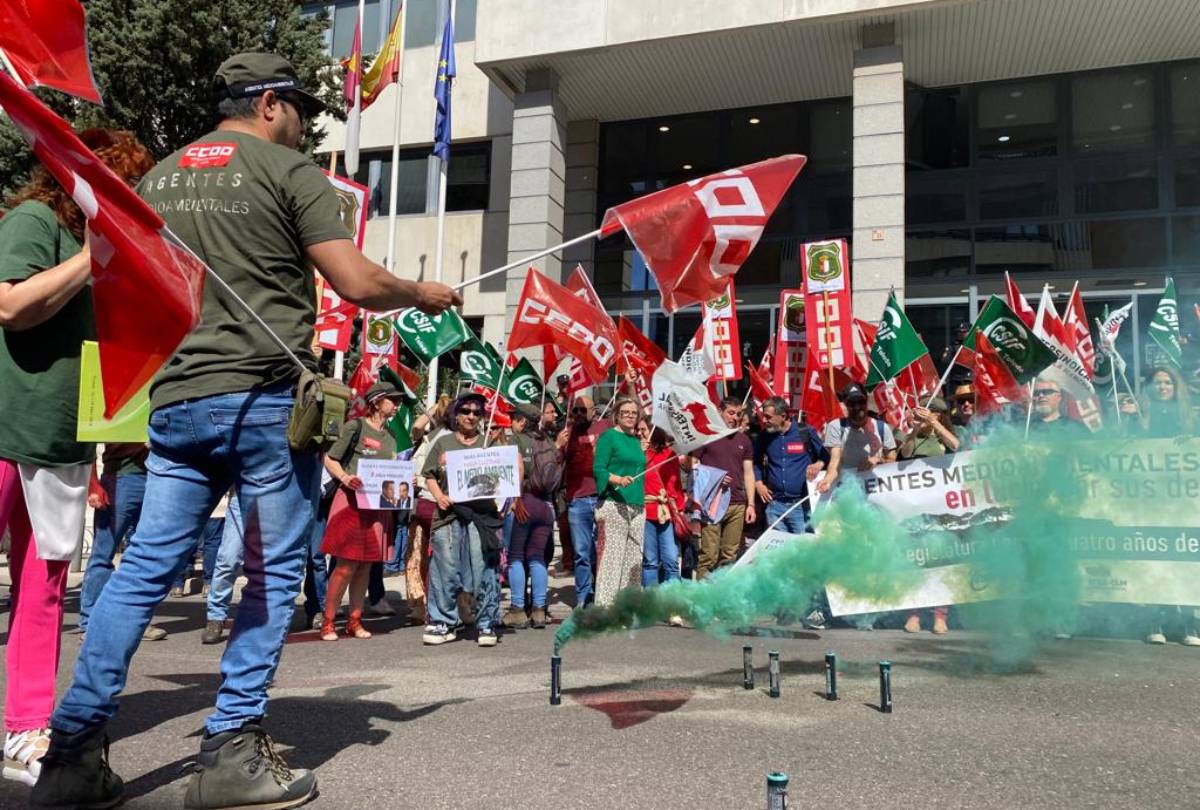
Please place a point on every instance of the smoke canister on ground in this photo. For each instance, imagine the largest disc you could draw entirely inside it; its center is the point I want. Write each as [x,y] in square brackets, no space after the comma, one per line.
[555,680]
[777,794]
[747,667]
[773,672]
[885,687]
[831,676]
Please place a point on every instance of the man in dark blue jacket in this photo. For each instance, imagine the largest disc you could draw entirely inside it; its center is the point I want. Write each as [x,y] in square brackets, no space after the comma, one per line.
[787,456]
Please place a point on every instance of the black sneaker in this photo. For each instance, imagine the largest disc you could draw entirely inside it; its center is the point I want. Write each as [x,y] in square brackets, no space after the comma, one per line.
[75,773]
[214,633]
[241,769]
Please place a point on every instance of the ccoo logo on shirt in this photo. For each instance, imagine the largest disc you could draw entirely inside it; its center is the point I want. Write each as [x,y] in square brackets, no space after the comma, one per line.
[207,155]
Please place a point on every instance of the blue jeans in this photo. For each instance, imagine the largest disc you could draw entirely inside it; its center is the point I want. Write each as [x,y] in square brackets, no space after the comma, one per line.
[528,552]
[452,544]
[795,523]
[581,514]
[400,543]
[125,493]
[199,449]
[316,574]
[659,551]
[208,544]
[229,557]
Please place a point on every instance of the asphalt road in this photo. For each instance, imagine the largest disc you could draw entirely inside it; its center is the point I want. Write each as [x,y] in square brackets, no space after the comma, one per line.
[660,720]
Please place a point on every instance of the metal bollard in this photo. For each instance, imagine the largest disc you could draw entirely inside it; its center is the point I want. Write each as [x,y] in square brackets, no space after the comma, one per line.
[831,676]
[555,680]
[885,687]
[773,672]
[747,667]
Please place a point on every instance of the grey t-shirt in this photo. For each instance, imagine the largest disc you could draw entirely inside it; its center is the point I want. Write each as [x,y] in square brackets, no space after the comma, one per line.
[858,444]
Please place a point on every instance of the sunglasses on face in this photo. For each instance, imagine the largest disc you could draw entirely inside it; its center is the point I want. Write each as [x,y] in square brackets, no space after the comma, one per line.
[297,106]
[469,412]
[965,400]
[578,409]
[1045,392]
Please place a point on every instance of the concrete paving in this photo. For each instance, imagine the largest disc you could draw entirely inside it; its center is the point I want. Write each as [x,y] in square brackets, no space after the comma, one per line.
[660,720]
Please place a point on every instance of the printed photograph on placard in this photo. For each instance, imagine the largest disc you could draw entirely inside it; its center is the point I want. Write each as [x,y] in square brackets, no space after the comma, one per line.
[485,472]
[386,484]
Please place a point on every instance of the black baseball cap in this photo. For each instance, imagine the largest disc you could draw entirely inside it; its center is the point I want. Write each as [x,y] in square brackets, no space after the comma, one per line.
[527,411]
[253,73]
[853,391]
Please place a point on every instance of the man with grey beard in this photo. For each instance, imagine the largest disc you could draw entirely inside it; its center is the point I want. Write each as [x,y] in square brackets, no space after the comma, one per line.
[787,456]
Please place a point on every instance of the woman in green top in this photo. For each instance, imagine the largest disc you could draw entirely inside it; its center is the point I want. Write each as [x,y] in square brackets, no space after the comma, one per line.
[355,533]
[45,314]
[620,462]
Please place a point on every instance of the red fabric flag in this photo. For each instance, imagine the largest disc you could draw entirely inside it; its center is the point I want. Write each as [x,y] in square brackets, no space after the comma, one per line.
[760,379]
[1075,324]
[637,361]
[335,319]
[720,316]
[820,404]
[1017,302]
[46,42]
[146,284]
[864,336]
[581,288]
[352,64]
[695,235]
[548,312]
[995,385]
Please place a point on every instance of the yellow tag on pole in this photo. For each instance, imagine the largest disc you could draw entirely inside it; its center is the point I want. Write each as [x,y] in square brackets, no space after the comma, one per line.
[131,422]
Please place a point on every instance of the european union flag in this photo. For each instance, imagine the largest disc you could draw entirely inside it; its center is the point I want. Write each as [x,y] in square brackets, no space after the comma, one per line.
[441,92]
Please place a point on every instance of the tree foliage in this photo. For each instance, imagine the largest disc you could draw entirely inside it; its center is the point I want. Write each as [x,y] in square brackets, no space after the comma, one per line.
[154,61]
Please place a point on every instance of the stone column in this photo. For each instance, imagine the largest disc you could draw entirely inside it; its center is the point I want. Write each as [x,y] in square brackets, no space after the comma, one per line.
[583,162]
[877,256]
[538,181]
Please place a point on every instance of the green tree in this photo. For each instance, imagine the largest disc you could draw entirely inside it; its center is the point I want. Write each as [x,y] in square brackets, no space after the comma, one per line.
[154,61]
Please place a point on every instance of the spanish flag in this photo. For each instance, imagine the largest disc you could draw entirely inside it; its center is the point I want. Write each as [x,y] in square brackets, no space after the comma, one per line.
[385,69]
[352,90]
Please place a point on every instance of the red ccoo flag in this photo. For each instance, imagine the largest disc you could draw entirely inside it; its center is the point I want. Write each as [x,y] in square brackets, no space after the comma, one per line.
[146,284]
[548,312]
[760,379]
[1075,324]
[581,288]
[695,235]
[46,42]
[995,386]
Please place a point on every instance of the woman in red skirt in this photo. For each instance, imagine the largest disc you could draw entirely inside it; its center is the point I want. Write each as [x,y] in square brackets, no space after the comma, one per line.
[356,536]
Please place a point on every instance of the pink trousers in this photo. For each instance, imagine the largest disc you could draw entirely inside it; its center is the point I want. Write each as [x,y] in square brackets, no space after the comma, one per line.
[35,620]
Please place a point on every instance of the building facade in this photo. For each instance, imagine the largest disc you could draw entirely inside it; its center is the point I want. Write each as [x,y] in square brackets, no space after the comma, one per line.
[948,140]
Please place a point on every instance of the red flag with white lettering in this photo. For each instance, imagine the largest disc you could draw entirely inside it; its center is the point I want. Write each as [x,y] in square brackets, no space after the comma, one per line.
[46,42]
[695,235]
[995,385]
[1075,324]
[1017,302]
[638,359]
[820,404]
[335,319]
[864,339]
[760,379]
[548,312]
[146,284]
[581,287]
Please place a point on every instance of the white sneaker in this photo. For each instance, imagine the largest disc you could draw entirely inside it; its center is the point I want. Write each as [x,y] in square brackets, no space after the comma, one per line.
[23,752]
[1191,640]
[676,621]
[1156,638]
[437,634]
[381,608]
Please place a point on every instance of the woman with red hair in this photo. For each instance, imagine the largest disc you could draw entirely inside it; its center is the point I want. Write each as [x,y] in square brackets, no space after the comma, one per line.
[45,314]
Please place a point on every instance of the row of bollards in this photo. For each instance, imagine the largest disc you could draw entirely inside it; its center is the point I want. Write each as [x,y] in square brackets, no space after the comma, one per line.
[773,679]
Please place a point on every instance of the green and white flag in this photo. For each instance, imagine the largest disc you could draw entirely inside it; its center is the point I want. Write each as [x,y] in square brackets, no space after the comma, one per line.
[522,384]
[1164,329]
[480,363]
[428,336]
[1021,350]
[897,345]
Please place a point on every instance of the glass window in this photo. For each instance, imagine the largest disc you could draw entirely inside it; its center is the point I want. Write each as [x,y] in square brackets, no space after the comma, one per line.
[830,133]
[1016,248]
[421,25]
[936,132]
[1185,103]
[1128,243]
[1185,240]
[931,197]
[1116,185]
[1187,183]
[1112,111]
[659,329]
[624,166]
[468,176]
[345,16]
[1017,120]
[937,254]
[682,149]
[1015,195]
[686,324]
[936,324]
[759,133]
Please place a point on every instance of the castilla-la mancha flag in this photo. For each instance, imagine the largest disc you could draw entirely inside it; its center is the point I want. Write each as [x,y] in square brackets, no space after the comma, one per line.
[548,312]
[146,284]
[695,235]
[46,43]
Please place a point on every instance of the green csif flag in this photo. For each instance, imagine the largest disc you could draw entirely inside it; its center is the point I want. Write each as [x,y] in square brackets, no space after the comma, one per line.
[480,363]
[523,386]
[400,425]
[897,345]
[428,336]
[1021,350]
[1164,329]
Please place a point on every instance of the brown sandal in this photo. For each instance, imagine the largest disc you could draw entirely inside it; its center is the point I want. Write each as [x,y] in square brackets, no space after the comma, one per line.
[328,633]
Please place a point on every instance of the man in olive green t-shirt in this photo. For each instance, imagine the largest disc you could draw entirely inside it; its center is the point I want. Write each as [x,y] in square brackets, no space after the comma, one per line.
[260,214]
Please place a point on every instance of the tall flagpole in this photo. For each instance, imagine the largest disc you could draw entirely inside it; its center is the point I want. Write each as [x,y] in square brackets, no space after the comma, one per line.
[393,191]
[431,386]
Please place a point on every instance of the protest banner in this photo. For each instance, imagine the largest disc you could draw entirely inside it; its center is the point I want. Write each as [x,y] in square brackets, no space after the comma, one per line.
[387,484]
[482,472]
[129,424]
[1133,528]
